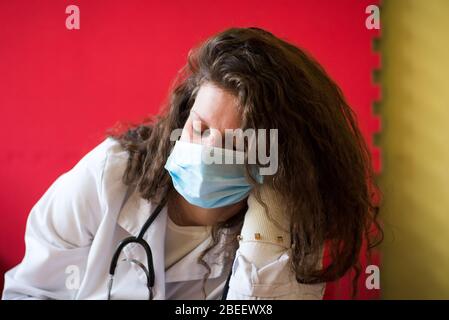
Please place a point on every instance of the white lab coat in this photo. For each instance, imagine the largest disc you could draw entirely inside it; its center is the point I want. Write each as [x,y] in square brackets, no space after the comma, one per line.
[73,230]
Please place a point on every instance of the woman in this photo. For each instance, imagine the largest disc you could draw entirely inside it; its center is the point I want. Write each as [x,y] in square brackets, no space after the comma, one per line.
[263,233]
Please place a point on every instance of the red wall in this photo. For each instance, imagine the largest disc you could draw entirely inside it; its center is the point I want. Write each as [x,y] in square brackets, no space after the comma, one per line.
[61,89]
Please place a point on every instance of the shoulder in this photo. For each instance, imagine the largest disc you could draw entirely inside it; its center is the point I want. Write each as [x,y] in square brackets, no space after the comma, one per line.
[103,168]
[104,164]
[73,207]
[109,150]
[97,169]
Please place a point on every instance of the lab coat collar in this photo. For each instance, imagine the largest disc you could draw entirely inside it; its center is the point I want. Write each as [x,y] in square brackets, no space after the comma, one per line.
[135,212]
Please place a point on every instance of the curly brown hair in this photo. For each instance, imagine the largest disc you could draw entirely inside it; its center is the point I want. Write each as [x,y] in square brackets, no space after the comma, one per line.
[325,169]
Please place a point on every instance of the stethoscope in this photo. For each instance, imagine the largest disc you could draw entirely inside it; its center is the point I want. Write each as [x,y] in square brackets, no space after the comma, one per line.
[149,273]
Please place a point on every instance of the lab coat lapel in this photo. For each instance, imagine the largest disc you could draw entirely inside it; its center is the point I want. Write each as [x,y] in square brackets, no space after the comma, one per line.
[133,216]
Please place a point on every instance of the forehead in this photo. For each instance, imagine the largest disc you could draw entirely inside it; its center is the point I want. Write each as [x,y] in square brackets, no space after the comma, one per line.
[217,107]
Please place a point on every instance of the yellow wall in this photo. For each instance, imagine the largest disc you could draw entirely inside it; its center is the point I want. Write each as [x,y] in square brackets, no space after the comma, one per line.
[415,142]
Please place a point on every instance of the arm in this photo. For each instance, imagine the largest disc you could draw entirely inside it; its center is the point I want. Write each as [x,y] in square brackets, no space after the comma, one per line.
[262,268]
[59,232]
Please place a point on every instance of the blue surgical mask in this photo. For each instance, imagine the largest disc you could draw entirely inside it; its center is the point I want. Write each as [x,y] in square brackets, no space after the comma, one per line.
[206,183]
